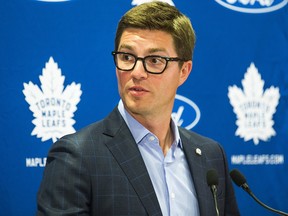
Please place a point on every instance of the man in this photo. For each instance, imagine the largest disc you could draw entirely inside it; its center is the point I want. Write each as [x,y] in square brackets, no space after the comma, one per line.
[137,161]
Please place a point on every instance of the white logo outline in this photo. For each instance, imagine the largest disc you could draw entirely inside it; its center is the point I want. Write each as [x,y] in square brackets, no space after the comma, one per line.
[254,107]
[252,10]
[177,115]
[52,105]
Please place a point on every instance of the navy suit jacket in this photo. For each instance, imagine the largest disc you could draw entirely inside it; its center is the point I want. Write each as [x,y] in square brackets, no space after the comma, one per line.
[100,171]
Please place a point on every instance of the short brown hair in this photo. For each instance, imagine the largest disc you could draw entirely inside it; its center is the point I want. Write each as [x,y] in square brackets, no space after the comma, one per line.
[160,16]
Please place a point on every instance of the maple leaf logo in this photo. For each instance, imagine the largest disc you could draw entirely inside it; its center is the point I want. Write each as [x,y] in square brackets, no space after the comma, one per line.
[53,106]
[254,107]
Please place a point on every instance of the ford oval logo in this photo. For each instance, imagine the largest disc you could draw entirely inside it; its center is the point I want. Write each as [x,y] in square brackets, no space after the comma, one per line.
[185,112]
[253,6]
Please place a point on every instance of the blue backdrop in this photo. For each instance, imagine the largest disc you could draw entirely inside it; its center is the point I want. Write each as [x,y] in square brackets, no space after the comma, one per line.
[57,75]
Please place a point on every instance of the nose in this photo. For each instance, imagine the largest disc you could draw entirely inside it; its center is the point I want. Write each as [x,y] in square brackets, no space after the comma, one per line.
[139,71]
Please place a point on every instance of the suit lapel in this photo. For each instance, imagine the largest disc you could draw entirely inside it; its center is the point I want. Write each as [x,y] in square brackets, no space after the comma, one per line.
[196,159]
[127,154]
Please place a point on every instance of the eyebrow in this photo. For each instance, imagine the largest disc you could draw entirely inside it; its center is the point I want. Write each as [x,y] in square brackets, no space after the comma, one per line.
[126,46]
[151,50]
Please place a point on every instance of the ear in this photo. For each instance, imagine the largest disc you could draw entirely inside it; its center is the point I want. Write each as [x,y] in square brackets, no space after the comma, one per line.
[185,71]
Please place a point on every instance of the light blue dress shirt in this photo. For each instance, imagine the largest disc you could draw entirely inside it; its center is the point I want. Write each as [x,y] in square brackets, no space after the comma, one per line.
[170,175]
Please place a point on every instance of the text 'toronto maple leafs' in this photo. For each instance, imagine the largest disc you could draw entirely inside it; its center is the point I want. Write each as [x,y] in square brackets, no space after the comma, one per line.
[254,107]
[53,106]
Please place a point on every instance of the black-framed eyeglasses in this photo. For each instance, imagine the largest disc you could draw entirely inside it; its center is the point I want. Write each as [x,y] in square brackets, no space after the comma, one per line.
[153,64]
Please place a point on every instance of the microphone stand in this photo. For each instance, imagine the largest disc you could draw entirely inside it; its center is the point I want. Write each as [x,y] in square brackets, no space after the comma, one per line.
[247,189]
[214,192]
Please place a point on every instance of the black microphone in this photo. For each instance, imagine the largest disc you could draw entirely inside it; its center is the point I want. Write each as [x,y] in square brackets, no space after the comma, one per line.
[212,181]
[240,181]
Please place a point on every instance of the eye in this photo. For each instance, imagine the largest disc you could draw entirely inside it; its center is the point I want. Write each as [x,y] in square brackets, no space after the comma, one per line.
[155,60]
[126,57]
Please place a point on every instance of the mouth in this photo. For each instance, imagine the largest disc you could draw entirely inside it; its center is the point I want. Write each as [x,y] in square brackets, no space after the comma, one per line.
[137,90]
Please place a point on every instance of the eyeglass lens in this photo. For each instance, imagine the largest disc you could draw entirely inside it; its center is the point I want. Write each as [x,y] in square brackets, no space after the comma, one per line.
[153,64]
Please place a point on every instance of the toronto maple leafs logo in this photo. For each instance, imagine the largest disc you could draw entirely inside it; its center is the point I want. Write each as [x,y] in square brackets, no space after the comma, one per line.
[254,107]
[138,2]
[53,106]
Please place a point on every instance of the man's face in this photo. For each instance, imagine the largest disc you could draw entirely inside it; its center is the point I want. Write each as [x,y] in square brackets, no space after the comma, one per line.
[148,94]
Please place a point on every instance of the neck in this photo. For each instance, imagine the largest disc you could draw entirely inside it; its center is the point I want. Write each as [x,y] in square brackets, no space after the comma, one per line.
[167,141]
[159,125]
[164,133]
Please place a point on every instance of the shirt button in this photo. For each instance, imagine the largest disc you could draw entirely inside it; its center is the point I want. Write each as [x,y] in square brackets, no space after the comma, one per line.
[151,138]
[172,195]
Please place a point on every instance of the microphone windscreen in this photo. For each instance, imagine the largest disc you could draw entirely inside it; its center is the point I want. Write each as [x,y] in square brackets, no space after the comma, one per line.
[212,177]
[237,177]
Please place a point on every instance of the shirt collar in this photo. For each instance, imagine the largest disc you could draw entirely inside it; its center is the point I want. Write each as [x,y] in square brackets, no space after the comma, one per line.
[139,131]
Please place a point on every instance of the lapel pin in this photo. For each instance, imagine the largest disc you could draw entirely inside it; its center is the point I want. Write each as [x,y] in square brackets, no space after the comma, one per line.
[198,151]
